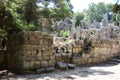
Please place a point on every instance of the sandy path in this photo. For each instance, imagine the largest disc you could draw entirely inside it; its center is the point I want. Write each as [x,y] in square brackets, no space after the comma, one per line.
[104,71]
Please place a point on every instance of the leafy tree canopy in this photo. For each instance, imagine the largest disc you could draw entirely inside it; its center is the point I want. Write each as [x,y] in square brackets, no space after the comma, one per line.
[96,11]
[17,15]
[77,19]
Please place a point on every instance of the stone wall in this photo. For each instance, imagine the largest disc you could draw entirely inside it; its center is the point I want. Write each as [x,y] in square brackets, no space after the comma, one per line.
[91,51]
[30,51]
[100,51]
[2,58]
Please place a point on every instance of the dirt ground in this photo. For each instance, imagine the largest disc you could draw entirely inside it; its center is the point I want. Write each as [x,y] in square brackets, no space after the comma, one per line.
[104,71]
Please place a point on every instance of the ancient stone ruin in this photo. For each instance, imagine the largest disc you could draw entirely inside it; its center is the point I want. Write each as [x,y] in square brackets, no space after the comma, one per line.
[30,51]
[41,52]
[35,51]
[65,24]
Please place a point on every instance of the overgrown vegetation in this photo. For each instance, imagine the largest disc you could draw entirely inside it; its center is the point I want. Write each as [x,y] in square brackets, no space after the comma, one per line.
[18,15]
[96,12]
[64,33]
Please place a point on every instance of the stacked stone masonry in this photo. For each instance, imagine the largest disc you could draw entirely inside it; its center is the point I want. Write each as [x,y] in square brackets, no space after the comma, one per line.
[33,50]
[92,51]
[30,51]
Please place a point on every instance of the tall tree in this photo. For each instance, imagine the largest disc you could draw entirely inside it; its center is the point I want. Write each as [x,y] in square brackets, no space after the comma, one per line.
[78,17]
[96,11]
[60,10]
[18,15]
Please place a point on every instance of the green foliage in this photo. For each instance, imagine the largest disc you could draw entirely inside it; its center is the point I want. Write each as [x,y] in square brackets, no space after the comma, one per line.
[77,19]
[64,33]
[96,11]
[116,17]
[11,17]
[61,9]
[116,8]
[17,15]
[2,33]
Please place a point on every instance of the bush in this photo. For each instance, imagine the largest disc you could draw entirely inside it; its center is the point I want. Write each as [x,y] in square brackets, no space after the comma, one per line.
[64,33]
[2,33]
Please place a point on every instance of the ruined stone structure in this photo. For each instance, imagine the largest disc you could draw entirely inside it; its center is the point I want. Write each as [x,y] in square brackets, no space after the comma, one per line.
[105,20]
[80,34]
[30,51]
[90,51]
[96,25]
[103,33]
[65,24]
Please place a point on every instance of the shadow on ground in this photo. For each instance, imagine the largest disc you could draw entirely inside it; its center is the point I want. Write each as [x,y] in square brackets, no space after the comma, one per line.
[84,71]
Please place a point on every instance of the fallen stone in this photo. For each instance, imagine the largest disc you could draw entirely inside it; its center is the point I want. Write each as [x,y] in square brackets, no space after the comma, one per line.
[50,69]
[65,55]
[71,66]
[3,73]
[61,65]
[69,77]
[41,70]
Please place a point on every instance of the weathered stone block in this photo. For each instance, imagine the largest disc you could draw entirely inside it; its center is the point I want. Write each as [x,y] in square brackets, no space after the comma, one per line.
[114,51]
[30,56]
[46,57]
[43,51]
[74,61]
[34,34]
[104,57]
[34,41]
[94,40]
[50,42]
[114,46]
[85,56]
[109,45]
[50,69]
[61,65]
[37,64]
[58,56]
[26,65]
[47,52]
[52,57]
[96,60]
[52,52]
[51,63]
[38,52]
[89,60]
[103,50]
[71,66]
[44,42]
[96,55]
[32,65]
[96,50]
[79,61]
[30,47]
[44,64]
[39,58]
[41,70]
